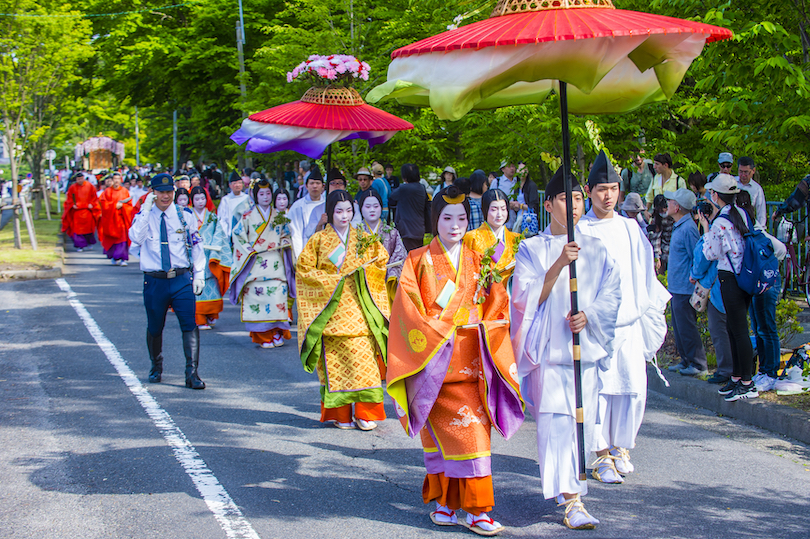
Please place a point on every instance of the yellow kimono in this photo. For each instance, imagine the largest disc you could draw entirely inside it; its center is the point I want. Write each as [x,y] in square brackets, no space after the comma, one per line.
[482,238]
[343,319]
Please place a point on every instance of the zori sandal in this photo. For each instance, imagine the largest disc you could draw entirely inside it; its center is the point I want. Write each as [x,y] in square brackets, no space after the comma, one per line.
[443,516]
[482,525]
[576,517]
[604,470]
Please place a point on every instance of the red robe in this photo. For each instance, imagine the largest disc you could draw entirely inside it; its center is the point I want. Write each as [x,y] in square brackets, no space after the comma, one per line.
[115,222]
[81,220]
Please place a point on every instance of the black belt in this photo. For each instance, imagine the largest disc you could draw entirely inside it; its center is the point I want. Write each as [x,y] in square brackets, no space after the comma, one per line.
[171,274]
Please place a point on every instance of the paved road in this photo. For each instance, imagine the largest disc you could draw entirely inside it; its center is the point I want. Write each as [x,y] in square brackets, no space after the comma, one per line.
[80,457]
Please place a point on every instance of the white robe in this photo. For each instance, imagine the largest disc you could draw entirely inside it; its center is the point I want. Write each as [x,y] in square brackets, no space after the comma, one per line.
[225,211]
[641,325]
[543,346]
[640,329]
[304,215]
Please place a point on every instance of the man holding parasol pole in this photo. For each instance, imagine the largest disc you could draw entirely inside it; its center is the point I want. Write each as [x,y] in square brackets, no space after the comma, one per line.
[563,400]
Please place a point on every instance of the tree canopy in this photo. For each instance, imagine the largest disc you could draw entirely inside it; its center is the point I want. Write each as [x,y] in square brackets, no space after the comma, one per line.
[747,96]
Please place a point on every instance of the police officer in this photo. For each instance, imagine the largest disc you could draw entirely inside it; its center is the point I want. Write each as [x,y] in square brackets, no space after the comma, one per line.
[173,262]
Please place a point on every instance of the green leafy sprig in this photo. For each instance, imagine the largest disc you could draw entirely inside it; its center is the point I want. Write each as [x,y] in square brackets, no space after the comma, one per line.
[489,274]
[280,219]
[365,240]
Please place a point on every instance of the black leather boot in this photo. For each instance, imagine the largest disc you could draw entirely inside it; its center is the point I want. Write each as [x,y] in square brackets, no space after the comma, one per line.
[154,344]
[191,348]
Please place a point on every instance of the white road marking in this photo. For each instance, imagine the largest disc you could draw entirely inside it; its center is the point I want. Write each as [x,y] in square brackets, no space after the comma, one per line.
[226,512]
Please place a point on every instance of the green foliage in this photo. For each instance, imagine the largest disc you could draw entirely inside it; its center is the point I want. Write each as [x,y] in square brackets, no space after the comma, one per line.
[747,95]
[787,322]
[39,56]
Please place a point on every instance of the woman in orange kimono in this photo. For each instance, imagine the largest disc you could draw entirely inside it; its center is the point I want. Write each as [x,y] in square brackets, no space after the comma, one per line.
[493,233]
[343,317]
[451,369]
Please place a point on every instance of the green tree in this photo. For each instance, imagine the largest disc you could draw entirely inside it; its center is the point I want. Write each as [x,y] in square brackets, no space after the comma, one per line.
[40,49]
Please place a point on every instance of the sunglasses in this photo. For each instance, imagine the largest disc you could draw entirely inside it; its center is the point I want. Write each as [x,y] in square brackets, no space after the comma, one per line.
[725,165]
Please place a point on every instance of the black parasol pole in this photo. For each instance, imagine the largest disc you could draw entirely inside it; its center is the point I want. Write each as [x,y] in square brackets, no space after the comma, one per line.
[572,269]
[328,160]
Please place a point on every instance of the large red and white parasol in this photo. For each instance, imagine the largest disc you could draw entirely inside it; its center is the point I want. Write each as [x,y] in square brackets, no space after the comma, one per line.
[613,60]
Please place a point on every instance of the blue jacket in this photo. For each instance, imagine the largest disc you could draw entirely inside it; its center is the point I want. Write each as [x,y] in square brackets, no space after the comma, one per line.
[681,254]
[705,272]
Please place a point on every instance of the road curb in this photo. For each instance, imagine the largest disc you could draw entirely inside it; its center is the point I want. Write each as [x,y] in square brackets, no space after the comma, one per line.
[776,418]
[49,273]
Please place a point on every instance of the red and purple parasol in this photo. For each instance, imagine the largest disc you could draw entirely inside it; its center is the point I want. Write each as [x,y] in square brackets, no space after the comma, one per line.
[322,116]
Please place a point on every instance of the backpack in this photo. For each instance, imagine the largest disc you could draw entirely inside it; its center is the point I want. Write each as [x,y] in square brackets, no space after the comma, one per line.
[630,175]
[760,268]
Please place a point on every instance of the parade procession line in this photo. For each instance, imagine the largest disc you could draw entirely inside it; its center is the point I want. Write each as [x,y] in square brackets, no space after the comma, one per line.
[227,514]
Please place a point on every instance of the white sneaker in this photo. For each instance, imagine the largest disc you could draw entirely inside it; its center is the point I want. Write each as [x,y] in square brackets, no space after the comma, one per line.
[483,524]
[764,382]
[79,249]
[123,263]
[622,462]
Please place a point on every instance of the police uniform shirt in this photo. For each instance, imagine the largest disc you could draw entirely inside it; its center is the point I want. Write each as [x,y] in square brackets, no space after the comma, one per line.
[145,231]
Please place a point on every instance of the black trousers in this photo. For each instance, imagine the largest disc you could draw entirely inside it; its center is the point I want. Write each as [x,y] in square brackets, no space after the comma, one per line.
[736,302]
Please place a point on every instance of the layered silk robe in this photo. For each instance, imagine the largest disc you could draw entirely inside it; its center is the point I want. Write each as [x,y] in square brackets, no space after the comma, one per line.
[343,317]
[262,273]
[482,238]
[115,222]
[81,220]
[396,253]
[450,383]
[218,259]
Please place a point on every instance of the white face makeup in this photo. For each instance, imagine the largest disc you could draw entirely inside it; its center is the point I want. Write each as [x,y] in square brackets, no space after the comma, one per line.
[452,224]
[264,197]
[342,216]
[497,214]
[182,200]
[282,202]
[371,209]
[199,201]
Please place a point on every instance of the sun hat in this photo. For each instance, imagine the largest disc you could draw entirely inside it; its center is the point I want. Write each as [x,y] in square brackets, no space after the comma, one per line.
[723,183]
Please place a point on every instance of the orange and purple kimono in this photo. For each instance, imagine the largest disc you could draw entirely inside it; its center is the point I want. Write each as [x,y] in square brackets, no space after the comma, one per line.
[482,238]
[343,323]
[452,373]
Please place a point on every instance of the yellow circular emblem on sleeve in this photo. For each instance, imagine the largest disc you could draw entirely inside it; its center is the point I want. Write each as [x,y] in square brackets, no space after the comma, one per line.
[417,340]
